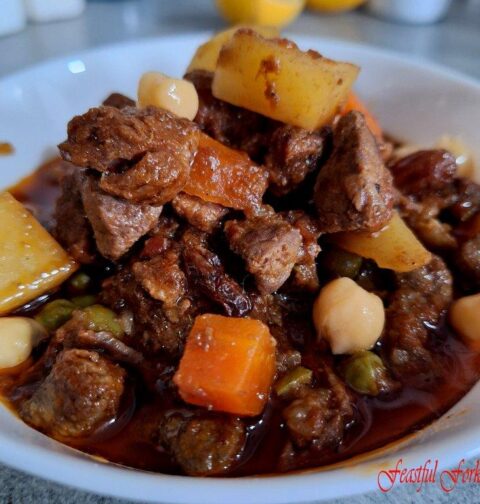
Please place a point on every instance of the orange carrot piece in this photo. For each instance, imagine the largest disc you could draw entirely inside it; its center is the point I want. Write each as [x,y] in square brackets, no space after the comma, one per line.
[228,365]
[354,103]
[226,176]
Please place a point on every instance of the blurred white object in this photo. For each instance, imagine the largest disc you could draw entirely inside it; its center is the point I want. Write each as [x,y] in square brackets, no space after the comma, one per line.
[410,11]
[40,11]
[12,16]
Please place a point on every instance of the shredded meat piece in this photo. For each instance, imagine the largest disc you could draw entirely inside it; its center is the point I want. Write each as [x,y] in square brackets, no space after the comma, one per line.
[162,276]
[415,308]
[205,271]
[203,444]
[201,214]
[144,155]
[82,391]
[117,224]
[270,247]
[354,190]
[72,228]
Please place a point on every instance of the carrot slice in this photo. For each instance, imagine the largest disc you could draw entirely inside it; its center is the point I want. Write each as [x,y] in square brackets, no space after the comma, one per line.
[226,176]
[354,103]
[228,365]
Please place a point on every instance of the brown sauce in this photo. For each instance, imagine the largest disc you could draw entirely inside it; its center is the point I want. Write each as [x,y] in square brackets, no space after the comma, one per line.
[128,439]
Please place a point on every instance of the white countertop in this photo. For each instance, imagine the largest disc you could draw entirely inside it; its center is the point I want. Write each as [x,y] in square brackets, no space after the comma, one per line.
[455,42]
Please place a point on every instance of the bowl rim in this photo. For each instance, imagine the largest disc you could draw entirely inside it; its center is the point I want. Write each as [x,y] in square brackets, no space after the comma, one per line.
[56,462]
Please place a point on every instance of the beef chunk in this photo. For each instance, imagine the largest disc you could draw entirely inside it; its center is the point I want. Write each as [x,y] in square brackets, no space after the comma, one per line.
[425,171]
[162,276]
[468,261]
[230,125]
[354,189]
[144,155]
[72,228]
[160,237]
[270,310]
[205,271]
[316,418]
[82,391]
[292,154]
[466,200]
[304,275]
[119,101]
[201,214]
[270,247]
[117,223]
[415,308]
[203,444]
[157,328]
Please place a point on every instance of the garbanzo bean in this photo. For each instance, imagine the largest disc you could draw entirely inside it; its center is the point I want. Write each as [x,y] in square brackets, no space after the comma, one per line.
[18,336]
[175,95]
[348,317]
[465,319]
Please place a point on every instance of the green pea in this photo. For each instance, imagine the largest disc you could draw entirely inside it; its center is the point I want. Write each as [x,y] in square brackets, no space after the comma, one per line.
[341,263]
[103,319]
[55,314]
[80,282]
[365,373]
[292,380]
[84,301]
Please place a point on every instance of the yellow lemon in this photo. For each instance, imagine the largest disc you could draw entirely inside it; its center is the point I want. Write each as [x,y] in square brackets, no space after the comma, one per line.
[333,5]
[261,12]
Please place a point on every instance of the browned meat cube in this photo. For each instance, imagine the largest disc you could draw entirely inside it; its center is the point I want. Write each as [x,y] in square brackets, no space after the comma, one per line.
[205,271]
[270,247]
[144,155]
[81,393]
[292,154]
[417,305]
[117,224]
[201,214]
[468,260]
[203,444]
[162,276]
[354,189]
[72,228]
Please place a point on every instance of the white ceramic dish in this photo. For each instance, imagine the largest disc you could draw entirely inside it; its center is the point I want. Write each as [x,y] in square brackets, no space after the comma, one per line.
[413,100]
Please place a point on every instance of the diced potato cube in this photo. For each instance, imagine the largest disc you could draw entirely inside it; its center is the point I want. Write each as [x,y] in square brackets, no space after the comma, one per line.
[276,79]
[394,247]
[206,56]
[228,365]
[31,261]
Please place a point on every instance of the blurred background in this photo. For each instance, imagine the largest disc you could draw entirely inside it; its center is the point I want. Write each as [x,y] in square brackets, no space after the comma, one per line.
[443,31]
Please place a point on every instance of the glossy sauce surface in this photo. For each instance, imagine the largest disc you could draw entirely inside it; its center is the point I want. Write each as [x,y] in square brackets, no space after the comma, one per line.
[128,440]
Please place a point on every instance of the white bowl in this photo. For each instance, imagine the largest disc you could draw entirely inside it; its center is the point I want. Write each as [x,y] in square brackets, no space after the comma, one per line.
[413,100]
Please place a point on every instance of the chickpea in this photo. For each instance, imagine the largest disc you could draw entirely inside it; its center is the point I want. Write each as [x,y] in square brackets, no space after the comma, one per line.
[175,95]
[18,336]
[465,318]
[350,318]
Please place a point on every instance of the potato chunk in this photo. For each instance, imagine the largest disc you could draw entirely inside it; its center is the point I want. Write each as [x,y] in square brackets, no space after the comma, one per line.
[394,247]
[32,262]
[276,79]
[206,56]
